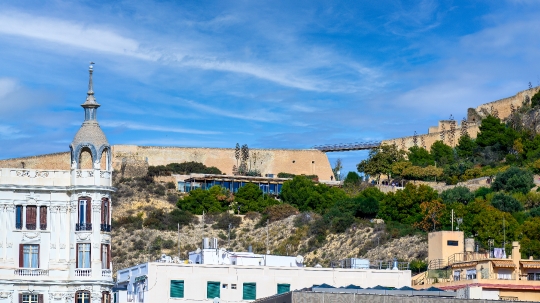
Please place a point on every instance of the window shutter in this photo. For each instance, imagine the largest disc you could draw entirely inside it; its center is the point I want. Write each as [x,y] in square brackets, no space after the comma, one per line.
[101,253]
[31,215]
[102,211]
[20,298]
[89,211]
[38,254]
[40,298]
[177,289]
[283,288]
[249,291]
[212,290]
[43,216]
[21,261]
[77,256]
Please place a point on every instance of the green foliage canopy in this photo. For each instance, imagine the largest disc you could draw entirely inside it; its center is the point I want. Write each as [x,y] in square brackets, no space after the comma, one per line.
[514,180]
[459,194]
[403,206]
[380,160]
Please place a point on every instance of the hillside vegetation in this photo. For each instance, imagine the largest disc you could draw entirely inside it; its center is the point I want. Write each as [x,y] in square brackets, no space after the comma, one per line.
[327,224]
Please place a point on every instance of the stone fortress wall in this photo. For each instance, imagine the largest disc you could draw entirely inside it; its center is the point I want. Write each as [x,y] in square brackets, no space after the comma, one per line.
[449,131]
[134,158]
[131,159]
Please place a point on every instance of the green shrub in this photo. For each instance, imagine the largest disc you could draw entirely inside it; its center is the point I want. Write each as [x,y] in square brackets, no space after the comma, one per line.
[506,203]
[167,244]
[514,180]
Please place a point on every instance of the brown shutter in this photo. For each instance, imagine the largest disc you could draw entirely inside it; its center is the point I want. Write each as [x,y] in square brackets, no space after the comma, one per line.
[101,254]
[21,263]
[20,298]
[103,211]
[31,215]
[77,256]
[43,216]
[40,298]
[89,211]
[38,254]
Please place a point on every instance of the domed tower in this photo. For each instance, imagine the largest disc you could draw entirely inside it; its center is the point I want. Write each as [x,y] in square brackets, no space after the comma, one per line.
[90,148]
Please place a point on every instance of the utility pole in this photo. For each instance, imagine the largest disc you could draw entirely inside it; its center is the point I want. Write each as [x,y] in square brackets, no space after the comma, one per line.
[179,256]
[229,242]
[452,220]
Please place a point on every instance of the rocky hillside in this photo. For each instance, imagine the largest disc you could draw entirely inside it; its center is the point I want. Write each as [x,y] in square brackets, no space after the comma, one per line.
[137,240]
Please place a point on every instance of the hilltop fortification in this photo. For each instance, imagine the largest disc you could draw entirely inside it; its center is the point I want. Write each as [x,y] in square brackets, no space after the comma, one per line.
[131,159]
[449,131]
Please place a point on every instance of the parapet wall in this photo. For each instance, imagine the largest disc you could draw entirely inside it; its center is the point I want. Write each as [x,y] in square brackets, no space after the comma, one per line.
[131,160]
[449,131]
[267,161]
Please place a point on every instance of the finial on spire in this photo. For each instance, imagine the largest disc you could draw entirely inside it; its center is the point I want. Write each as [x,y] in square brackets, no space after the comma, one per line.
[90,82]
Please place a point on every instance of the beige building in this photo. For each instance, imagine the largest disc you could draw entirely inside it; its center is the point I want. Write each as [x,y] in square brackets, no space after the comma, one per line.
[478,274]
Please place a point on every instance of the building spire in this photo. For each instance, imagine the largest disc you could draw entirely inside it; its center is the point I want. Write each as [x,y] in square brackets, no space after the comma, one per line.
[90,83]
[90,105]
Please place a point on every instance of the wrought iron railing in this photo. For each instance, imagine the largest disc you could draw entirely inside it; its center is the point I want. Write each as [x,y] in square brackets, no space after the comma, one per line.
[83,226]
[43,226]
[18,225]
[106,227]
[106,273]
[30,226]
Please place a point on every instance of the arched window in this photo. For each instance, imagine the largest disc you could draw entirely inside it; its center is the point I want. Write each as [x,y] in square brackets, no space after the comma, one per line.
[106,297]
[104,164]
[82,296]
[85,159]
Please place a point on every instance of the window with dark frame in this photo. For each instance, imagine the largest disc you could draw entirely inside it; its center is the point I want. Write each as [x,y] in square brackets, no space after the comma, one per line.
[29,255]
[105,256]
[106,297]
[105,215]
[83,255]
[85,214]
[452,243]
[30,298]
[82,297]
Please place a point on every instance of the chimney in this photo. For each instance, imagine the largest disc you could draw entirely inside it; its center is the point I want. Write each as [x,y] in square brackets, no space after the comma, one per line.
[516,256]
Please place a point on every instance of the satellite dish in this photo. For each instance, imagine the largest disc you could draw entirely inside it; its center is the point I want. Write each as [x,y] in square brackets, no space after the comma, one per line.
[163,256]
[318,265]
[216,300]
[299,259]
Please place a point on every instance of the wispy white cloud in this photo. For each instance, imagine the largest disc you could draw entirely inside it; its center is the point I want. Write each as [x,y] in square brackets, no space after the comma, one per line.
[253,115]
[8,132]
[144,127]
[71,33]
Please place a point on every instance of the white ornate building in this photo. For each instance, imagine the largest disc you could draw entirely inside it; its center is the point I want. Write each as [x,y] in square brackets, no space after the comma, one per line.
[55,227]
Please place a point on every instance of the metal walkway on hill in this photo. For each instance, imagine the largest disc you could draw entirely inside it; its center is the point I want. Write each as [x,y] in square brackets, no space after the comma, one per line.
[348,146]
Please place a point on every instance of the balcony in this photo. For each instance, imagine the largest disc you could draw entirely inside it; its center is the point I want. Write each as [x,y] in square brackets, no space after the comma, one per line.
[107,273]
[43,226]
[30,226]
[31,272]
[83,272]
[83,226]
[18,225]
[106,227]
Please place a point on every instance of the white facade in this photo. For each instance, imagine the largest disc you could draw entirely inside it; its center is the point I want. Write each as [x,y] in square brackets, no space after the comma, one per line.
[55,227]
[223,257]
[170,282]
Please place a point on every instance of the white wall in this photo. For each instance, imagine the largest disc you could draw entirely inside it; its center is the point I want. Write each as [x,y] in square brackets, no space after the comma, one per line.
[196,277]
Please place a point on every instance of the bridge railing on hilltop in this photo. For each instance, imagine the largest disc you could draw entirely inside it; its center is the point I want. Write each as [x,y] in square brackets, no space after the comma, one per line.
[347,146]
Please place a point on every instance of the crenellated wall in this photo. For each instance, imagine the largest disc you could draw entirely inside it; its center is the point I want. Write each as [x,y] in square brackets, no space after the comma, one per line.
[450,135]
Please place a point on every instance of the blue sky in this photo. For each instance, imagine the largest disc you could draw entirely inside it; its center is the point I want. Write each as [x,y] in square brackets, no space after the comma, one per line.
[271,74]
